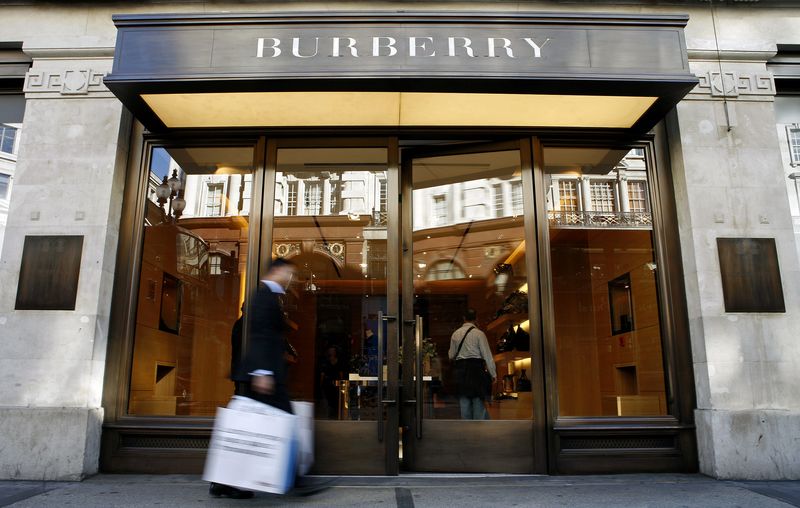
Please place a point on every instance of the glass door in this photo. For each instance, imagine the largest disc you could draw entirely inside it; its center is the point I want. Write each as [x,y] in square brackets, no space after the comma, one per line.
[331,214]
[471,367]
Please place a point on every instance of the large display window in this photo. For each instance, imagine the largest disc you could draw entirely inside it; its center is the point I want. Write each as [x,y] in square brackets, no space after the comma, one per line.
[607,327]
[192,279]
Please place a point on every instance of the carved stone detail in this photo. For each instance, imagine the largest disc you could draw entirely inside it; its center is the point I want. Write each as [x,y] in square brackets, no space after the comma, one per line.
[67,82]
[734,84]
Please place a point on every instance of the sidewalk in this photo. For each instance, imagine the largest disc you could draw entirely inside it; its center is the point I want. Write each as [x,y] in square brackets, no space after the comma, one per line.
[409,491]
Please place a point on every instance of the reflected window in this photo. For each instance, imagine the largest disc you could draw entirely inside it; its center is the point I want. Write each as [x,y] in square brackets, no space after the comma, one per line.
[568,195]
[215,264]
[440,209]
[8,137]
[5,183]
[444,270]
[607,325]
[499,201]
[637,197]
[214,199]
[313,198]
[793,133]
[291,198]
[516,197]
[190,297]
[602,194]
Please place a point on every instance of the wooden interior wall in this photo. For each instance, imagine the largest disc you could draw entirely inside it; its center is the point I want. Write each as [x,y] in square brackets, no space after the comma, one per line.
[591,361]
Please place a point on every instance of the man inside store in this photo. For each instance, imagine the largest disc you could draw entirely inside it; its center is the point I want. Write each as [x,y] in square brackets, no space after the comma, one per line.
[473,366]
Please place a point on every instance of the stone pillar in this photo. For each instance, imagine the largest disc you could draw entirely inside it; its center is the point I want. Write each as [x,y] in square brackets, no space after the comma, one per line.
[69,181]
[729,182]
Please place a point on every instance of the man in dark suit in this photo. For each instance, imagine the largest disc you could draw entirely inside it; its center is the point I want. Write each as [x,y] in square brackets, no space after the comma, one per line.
[262,373]
[263,369]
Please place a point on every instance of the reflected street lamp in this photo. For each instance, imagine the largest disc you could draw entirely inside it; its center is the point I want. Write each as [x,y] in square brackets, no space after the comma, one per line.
[171,190]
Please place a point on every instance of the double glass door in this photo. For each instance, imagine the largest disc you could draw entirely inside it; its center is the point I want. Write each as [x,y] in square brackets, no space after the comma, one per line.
[395,250]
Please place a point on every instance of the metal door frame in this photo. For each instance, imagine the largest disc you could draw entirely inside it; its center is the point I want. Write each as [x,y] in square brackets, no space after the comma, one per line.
[411,410]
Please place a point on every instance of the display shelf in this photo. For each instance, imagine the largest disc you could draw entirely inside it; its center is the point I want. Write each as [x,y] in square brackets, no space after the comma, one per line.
[511,356]
[505,319]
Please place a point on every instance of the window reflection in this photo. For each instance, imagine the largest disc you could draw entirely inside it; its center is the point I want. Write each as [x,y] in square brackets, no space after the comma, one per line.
[191,284]
[330,219]
[608,335]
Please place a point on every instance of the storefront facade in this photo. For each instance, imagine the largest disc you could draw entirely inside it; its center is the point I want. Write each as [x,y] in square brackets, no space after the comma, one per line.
[550,170]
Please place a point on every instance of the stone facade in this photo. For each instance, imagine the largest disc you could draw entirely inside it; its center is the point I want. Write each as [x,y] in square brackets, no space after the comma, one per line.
[729,182]
[69,180]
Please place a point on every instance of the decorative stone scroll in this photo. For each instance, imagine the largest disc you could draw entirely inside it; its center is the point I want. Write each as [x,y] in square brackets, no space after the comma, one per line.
[69,82]
[735,84]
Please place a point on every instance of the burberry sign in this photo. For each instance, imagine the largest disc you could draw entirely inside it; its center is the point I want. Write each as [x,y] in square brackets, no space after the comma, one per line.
[395,46]
[385,46]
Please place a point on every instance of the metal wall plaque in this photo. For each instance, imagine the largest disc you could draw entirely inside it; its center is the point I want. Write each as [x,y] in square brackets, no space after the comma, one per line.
[48,277]
[751,277]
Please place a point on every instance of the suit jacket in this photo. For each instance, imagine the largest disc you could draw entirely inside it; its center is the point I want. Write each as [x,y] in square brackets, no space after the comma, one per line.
[266,346]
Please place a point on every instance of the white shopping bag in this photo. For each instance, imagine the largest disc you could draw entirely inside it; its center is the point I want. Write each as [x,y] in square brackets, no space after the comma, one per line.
[305,435]
[253,446]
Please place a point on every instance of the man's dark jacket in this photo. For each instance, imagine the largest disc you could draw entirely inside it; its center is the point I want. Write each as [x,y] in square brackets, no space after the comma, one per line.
[266,346]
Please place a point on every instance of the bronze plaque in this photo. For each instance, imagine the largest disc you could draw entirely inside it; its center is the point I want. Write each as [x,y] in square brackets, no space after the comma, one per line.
[751,277]
[48,277]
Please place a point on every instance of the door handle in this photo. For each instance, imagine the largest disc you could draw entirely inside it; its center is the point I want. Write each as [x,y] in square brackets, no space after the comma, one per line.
[381,319]
[418,347]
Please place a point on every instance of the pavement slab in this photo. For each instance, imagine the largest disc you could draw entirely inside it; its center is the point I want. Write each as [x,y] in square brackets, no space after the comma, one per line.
[418,491]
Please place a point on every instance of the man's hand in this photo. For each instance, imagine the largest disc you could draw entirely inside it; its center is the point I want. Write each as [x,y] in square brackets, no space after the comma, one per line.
[263,384]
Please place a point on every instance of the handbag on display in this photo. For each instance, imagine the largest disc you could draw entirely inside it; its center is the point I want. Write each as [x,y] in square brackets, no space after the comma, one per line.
[523,383]
[522,340]
[506,341]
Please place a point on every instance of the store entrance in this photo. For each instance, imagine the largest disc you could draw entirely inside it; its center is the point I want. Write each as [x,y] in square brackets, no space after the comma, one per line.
[391,258]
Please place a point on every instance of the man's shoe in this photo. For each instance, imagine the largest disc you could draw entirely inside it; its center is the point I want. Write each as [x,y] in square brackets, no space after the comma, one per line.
[306,487]
[220,490]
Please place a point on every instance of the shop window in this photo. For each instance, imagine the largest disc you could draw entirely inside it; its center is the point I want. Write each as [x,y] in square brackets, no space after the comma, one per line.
[5,183]
[189,298]
[607,325]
